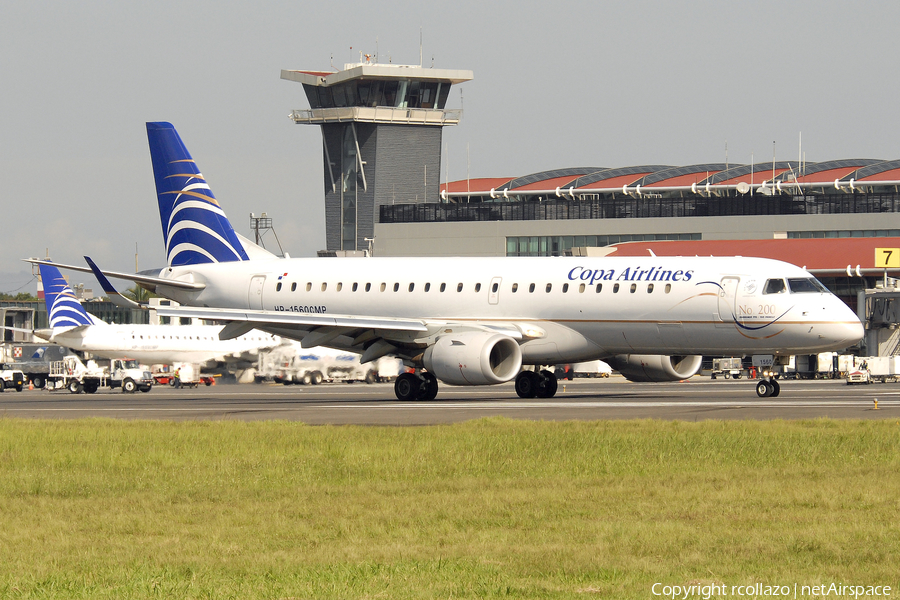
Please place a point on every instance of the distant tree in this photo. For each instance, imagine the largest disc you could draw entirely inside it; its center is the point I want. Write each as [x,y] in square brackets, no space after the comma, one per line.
[138,294]
[20,297]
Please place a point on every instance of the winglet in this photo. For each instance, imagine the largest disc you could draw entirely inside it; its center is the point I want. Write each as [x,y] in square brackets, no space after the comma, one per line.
[112,293]
[195,228]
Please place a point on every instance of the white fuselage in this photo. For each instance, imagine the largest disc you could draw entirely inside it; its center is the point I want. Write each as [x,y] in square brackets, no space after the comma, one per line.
[577,308]
[161,344]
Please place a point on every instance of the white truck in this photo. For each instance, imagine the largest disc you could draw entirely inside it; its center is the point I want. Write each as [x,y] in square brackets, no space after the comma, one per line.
[869,369]
[290,363]
[76,376]
[11,377]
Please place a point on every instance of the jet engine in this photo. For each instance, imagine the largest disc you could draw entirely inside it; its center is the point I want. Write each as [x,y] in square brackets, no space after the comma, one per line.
[655,367]
[474,358]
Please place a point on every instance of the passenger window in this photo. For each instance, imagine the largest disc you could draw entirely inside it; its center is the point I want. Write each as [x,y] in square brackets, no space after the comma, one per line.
[649,288]
[294,287]
[531,289]
[324,286]
[339,286]
[308,286]
[616,289]
[668,287]
[459,287]
[774,286]
[565,288]
[495,287]
[477,287]
[278,287]
[443,286]
[515,288]
[599,287]
[427,287]
[633,288]
[396,287]
[355,286]
[411,286]
[549,287]
[383,286]
[368,286]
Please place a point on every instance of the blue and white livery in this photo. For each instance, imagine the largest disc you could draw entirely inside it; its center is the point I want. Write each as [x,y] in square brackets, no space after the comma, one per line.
[63,308]
[477,321]
[195,230]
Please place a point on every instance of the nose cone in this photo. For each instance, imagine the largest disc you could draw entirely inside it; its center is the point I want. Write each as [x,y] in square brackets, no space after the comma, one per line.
[845,329]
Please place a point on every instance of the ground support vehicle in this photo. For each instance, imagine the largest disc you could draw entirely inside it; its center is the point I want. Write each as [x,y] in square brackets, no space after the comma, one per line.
[290,363]
[729,368]
[591,368]
[76,376]
[32,359]
[188,373]
[870,369]
[11,377]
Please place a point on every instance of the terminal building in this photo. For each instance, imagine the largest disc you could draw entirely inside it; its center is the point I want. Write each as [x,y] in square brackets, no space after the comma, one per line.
[381,132]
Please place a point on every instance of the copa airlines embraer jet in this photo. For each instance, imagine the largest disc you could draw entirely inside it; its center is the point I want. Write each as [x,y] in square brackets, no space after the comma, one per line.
[73,327]
[477,321]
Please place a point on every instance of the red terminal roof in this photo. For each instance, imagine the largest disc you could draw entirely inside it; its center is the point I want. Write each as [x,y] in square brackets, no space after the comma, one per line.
[483,185]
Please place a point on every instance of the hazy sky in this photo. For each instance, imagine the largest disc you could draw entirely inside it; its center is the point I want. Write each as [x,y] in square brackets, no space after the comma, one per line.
[557,84]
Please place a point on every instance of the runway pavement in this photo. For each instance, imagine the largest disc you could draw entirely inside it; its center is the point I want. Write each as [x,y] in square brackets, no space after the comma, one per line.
[360,404]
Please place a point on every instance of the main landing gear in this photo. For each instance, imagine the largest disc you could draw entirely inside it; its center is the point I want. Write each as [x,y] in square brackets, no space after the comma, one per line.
[766,388]
[416,386]
[530,384]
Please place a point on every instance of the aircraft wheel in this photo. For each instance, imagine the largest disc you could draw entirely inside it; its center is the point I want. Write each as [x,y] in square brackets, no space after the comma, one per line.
[776,389]
[547,385]
[764,389]
[428,388]
[407,387]
[526,384]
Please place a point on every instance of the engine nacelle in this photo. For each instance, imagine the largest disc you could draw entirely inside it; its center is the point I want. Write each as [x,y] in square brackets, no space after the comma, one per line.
[474,358]
[656,367]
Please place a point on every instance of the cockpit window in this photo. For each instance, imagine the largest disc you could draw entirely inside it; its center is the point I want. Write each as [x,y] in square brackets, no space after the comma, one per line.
[805,285]
[774,286]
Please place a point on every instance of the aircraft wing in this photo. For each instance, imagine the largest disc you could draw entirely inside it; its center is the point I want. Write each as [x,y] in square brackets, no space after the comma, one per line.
[146,281]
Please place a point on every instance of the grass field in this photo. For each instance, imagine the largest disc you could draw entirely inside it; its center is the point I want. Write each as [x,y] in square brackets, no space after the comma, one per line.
[489,508]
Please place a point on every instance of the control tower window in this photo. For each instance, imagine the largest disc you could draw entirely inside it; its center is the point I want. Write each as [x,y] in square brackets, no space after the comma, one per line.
[340,94]
[390,93]
[325,98]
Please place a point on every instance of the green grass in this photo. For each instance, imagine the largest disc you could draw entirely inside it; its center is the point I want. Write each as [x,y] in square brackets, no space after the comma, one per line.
[489,508]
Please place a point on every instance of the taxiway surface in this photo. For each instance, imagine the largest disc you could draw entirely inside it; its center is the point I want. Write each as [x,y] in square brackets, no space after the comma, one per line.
[360,404]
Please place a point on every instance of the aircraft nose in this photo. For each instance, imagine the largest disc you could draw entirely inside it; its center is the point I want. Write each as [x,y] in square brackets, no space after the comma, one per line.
[846,329]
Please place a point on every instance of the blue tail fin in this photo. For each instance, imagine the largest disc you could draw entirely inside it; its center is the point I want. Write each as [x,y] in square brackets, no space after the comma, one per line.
[195,228]
[63,308]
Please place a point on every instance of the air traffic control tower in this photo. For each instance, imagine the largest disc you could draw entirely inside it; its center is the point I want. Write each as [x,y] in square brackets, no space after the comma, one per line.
[381,136]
